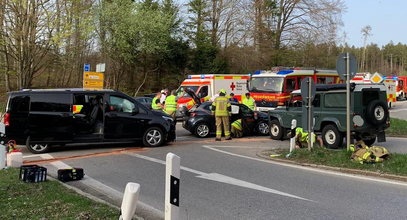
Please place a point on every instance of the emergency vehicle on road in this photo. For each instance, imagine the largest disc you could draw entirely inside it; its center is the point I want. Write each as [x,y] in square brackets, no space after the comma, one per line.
[389,82]
[208,85]
[401,88]
[273,88]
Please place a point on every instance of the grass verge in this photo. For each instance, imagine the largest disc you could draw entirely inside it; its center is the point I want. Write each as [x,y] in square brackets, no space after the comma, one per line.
[46,200]
[398,127]
[396,164]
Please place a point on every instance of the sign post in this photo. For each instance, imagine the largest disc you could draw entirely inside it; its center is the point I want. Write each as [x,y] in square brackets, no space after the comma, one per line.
[172,182]
[308,93]
[346,66]
[93,80]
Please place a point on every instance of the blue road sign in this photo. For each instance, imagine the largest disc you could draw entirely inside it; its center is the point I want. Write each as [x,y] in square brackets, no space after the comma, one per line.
[86,67]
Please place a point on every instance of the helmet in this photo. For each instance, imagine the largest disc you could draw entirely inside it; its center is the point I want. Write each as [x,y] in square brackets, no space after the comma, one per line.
[222,91]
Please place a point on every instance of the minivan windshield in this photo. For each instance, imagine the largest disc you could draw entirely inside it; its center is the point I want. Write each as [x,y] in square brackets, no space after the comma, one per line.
[266,84]
[181,89]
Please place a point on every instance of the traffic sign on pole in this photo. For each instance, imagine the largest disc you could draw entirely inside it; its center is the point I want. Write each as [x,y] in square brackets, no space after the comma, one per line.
[86,67]
[342,62]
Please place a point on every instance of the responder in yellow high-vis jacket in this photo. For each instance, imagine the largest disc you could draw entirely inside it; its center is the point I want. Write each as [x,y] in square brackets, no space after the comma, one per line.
[237,128]
[221,108]
[170,106]
[248,101]
[155,103]
[301,138]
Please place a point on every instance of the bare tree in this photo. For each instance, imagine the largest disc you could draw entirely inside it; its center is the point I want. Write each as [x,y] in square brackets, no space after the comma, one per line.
[366,32]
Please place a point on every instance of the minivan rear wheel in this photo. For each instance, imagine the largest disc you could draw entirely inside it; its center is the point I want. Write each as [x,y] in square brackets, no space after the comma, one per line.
[153,137]
[37,148]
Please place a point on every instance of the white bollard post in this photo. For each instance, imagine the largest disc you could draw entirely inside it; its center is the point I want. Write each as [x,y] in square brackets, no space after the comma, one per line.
[129,203]
[172,182]
[3,154]
[292,139]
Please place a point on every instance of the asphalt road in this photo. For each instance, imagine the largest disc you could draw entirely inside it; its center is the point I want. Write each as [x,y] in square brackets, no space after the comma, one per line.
[399,110]
[225,180]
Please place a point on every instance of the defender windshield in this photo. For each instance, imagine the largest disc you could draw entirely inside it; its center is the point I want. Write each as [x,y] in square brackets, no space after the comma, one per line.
[266,84]
[181,90]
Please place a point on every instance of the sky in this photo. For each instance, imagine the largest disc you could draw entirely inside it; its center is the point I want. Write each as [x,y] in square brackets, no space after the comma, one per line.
[388,19]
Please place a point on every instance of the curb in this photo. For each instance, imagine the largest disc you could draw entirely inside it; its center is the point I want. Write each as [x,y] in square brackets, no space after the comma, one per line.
[110,197]
[337,169]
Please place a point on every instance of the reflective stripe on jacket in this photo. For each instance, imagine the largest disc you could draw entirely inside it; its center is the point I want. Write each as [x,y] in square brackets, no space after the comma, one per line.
[304,135]
[238,124]
[221,105]
[171,103]
[154,104]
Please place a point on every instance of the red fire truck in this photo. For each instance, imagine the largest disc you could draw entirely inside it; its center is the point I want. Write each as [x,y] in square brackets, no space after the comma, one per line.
[273,88]
[401,88]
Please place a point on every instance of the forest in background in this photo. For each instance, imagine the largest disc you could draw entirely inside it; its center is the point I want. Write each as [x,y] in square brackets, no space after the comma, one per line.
[148,45]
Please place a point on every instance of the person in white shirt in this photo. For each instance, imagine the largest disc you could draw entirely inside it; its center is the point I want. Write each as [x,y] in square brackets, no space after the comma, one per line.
[163,95]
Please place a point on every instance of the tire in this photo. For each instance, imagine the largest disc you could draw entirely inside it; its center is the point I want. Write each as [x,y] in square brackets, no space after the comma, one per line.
[331,137]
[276,131]
[377,112]
[202,130]
[370,141]
[153,137]
[263,128]
[37,148]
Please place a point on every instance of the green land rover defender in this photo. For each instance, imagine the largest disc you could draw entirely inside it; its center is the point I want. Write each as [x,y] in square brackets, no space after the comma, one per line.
[369,114]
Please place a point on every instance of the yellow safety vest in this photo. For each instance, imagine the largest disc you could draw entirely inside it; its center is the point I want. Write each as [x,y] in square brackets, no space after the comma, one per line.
[154,104]
[238,124]
[304,135]
[170,103]
[249,103]
[221,104]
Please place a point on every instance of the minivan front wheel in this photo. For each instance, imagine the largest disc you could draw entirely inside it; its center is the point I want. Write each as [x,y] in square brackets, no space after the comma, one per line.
[153,137]
[331,136]
[37,148]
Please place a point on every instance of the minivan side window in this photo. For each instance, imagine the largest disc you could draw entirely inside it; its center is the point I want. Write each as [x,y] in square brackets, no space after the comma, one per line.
[20,104]
[51,102]
[119,104]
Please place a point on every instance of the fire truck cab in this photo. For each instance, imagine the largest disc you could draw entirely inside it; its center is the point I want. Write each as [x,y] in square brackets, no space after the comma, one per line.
[401,87]
[273,88]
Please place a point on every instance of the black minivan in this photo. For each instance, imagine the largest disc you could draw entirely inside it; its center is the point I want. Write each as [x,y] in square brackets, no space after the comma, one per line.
[40,118]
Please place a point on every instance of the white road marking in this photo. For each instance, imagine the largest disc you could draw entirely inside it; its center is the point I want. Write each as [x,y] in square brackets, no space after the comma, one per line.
[311,169]
[222,178]
[248,147]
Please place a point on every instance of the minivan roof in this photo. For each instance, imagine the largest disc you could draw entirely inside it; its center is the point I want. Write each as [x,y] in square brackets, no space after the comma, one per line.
[63,90]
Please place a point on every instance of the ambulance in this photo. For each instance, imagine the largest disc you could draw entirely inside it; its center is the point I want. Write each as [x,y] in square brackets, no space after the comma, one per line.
[207,86]
[389,82]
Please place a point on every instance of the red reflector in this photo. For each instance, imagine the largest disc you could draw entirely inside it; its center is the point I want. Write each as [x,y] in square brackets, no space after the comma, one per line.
[193,114]
[7,119]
